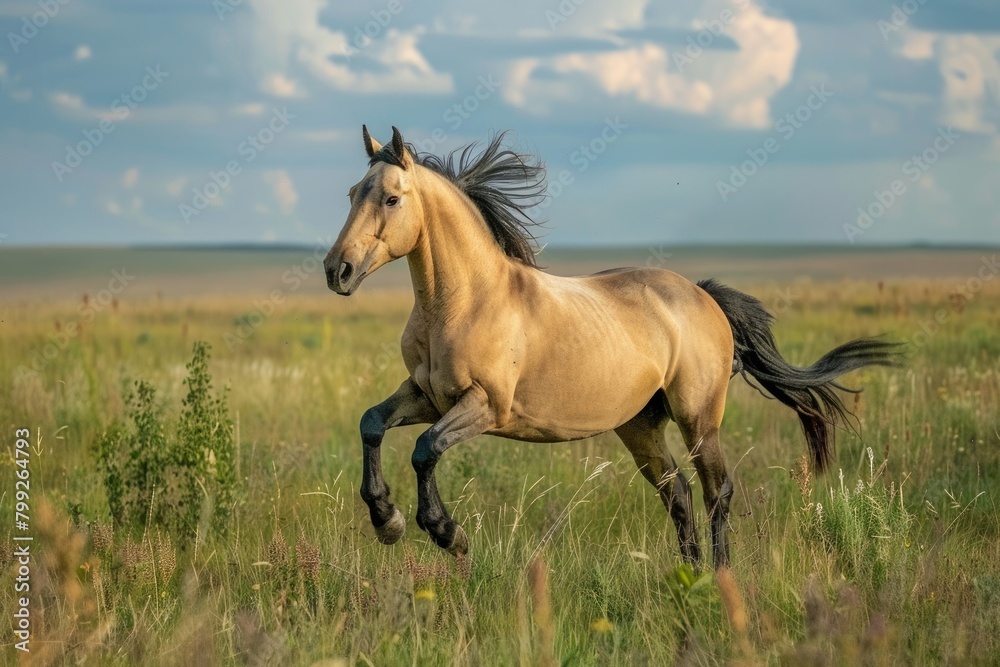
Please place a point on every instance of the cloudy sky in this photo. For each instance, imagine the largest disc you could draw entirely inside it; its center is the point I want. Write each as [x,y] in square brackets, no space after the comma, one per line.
[193,121]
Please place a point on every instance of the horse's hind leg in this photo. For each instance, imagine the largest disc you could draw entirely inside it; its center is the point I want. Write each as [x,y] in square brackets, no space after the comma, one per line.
[699,416]
[644,439]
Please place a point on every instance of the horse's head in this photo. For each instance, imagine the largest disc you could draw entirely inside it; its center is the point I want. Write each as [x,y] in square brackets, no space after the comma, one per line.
[385,218]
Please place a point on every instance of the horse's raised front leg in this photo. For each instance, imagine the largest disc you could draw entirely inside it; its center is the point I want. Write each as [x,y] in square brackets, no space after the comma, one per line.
[470,417]
[408,405]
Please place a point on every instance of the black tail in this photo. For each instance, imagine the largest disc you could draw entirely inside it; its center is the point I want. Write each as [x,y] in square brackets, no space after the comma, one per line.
[808,391]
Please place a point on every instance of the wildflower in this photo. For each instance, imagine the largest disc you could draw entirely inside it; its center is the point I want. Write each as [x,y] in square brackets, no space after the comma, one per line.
[277,550]
[424,594]
[308,557]
[601,625]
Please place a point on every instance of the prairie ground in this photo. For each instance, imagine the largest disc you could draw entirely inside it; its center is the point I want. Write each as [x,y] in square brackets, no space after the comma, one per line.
[893,557]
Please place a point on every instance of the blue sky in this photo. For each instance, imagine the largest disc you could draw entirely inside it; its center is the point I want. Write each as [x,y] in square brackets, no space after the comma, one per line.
[193,121]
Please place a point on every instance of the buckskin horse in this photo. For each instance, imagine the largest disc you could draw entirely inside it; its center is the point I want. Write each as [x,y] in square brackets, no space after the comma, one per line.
[496,345]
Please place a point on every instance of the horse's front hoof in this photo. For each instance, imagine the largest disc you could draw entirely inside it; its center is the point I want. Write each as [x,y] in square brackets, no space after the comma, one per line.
[393,529]
[459,543]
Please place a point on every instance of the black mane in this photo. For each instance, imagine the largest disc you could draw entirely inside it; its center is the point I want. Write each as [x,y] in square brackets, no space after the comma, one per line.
[502,183]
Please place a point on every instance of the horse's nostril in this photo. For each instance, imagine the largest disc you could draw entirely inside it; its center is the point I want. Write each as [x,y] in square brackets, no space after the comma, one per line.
[346,270]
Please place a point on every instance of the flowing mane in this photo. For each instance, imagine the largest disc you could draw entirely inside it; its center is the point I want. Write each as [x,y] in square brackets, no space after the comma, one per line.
[502,183]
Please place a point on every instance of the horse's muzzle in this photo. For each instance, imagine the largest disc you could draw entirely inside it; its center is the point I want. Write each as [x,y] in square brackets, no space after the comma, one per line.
[343,277]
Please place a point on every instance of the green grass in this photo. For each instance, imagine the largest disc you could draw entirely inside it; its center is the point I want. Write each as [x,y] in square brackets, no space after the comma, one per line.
[900,566]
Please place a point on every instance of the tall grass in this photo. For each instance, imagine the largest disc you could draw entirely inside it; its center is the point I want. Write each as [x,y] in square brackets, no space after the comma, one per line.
[900,566]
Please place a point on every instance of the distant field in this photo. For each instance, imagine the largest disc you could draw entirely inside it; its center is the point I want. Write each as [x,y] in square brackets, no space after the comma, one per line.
[54,273]
[893,558]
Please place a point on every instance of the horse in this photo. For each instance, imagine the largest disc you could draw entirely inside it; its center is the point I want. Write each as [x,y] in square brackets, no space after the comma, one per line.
[496,345]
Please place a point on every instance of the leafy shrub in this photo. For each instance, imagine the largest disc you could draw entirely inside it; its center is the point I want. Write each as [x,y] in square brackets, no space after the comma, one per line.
[865,529]
[172,481]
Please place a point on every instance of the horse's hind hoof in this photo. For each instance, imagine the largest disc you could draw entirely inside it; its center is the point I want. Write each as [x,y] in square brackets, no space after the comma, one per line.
[393,529]
[459,543]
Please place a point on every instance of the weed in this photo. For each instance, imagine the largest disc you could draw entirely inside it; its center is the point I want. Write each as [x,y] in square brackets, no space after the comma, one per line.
[155,479]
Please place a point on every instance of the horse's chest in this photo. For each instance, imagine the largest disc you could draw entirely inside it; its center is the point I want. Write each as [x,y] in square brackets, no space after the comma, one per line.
[436,369]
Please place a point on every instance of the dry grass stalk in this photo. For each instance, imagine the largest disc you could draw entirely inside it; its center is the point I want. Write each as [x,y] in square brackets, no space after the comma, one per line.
[538,576]
[732,601]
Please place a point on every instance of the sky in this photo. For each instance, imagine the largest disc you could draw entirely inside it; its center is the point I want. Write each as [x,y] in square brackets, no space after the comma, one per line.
[689,121]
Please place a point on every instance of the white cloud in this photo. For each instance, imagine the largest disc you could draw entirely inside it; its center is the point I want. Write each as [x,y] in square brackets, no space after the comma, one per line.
[290,33]
[249,109]
[283,189]
[130,177]
[733,85]
[23,95]
[971,73]
[176,186]
[279,85]
[970,70]
[82,52]
[183,113]
[114,208]
[3,71]
[917,44]
[67,101]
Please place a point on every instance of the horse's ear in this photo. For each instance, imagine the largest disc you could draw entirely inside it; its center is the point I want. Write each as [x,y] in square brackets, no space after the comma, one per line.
[399,148]
[371,146]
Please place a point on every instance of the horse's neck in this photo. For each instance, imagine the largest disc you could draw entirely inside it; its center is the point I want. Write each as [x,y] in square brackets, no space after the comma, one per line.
[456,257]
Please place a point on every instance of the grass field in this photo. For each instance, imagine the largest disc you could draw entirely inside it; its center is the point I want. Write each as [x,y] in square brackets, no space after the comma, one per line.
[891,558]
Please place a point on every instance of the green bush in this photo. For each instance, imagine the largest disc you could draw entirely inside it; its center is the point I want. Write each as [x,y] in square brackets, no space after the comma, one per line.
[866,529]
[173,481]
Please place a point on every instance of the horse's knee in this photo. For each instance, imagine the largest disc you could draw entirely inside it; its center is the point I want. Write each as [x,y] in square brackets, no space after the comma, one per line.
[425,456]
[372,427]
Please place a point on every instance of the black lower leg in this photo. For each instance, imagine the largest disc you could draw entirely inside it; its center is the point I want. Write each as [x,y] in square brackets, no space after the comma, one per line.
[432,516]
[720,524]
[388,522]
[682,512]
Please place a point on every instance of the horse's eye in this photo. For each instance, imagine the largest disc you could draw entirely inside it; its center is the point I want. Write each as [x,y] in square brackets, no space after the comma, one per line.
[392,201]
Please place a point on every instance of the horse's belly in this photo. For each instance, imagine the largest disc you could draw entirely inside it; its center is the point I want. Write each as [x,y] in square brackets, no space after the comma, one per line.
[577,402]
